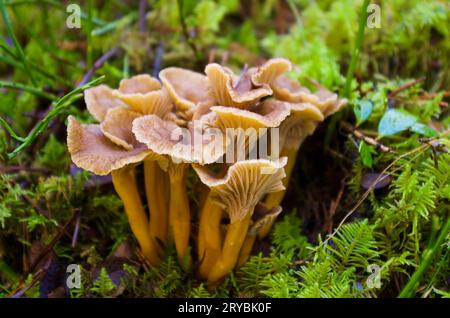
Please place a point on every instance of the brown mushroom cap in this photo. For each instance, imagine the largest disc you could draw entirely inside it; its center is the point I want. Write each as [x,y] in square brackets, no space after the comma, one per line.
[166,138]
[144,95]
[269,71]
[270,113]
[301,123]
[186,88]
[117,126]
[289,90]
[93,151]
[244,184]
[231,90]
[100,99]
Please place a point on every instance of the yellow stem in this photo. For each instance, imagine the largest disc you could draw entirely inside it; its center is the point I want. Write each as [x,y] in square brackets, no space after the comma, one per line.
[124,181]
[179,216]
[209,236]
[275,199]
[236,233]
[157,192]
[246,249]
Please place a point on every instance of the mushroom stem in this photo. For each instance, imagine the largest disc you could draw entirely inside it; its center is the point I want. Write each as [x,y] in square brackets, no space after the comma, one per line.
[179,214]
[124,181]
[246,249]
[209,237]
[156,188]
[234,239]
[274,199]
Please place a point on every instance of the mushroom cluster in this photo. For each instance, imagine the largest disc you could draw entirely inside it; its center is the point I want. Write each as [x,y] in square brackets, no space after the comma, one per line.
[179,127]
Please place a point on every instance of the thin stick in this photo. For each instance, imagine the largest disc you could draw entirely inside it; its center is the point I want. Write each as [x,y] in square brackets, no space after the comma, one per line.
[406,86]
[99,63]
[358,134]
[366,194]
[142,14]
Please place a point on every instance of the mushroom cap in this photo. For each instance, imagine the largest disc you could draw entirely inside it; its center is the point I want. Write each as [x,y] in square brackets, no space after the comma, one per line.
[266,217]
[270,113]
[244,185]
[289,90]
[117,126]
[231,90]
[326,101]
[166,138]
[93,151]
[100,99]
[144,94]
[186,88]
[269,71]
[301,123]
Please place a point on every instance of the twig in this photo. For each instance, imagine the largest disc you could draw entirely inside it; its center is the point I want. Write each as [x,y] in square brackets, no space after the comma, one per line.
[158,59]
[13,169]
[359,135]
[382,175]
[142,15]
[53,242]
[76,230]
[99,63]
[405,87]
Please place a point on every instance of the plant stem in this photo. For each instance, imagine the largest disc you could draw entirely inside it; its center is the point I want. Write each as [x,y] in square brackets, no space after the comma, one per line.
[29,89]
[59,105]
[357,48]
[89,54]
[17,45]
[428,256]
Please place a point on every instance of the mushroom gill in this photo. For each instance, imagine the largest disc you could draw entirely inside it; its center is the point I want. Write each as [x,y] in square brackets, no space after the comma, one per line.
[237,193]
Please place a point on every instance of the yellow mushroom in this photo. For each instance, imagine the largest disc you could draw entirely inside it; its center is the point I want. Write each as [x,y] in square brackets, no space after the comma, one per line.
[265,216]
[166,138]
[237,193]
[136,96]
[91,150]
[145,95]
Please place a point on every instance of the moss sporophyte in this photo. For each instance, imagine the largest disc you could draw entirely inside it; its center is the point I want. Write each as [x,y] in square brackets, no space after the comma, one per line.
[155,124]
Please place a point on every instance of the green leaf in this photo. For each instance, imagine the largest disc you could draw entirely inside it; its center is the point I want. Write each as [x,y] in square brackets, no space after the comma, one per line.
[366,152]
[362,110]
[395,121]
[423,129]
